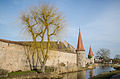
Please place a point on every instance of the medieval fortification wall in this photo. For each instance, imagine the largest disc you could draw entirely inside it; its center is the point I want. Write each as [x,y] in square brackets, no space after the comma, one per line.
[13,58]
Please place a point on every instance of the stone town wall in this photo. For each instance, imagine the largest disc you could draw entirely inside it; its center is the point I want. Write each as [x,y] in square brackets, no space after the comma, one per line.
[90,61]
[13,58]
[57,57]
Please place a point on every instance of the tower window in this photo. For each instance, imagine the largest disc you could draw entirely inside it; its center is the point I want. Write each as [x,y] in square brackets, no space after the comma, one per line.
[8,44]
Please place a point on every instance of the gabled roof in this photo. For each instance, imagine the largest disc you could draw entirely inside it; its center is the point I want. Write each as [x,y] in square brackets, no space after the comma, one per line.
[90,52]
[80,46]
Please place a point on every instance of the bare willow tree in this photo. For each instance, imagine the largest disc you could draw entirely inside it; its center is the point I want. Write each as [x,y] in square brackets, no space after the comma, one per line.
[103,54]
[42,23]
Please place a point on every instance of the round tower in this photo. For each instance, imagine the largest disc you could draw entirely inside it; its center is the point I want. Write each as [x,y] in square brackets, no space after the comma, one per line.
[91,56]
[81,60]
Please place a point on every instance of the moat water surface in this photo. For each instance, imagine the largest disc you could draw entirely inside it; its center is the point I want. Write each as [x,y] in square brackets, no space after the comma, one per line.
[88,73]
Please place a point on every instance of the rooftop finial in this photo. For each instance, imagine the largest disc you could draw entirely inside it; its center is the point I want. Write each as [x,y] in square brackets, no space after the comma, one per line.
[79,28]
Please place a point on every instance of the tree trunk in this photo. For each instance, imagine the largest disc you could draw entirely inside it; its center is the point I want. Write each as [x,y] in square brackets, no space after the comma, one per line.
[43,68]
[29,64]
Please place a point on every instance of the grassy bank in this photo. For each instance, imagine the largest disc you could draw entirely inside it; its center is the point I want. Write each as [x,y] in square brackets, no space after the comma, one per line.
[106,75]
[33,75]
[20,73]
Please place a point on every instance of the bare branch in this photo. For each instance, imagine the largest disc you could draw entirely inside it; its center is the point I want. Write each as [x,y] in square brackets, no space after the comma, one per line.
[54,32]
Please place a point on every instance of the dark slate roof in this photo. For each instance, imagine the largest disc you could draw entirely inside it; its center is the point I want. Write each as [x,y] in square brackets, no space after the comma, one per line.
[53,45]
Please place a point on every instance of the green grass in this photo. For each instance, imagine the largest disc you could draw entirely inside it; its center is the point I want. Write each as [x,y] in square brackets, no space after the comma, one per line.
[26,72]
[106,75]
[19,72]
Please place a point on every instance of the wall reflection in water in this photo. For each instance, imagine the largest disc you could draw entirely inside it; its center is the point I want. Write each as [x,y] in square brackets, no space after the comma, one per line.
[75,75]
[81,75]
[78,75]
[87,74]
[70,75]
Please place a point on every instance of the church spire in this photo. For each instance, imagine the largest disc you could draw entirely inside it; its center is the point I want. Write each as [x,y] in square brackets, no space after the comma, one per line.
[80,46]
[90,52]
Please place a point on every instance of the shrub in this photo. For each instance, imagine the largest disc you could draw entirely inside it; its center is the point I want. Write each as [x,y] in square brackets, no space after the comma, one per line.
[3,73]
[89,57]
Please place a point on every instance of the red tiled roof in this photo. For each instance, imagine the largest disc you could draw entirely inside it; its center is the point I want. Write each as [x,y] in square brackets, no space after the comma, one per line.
[90,52]
[80,46]
[13,42]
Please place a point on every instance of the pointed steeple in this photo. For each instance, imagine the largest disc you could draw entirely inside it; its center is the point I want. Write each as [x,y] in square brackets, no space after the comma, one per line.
[90,52]
[80,46]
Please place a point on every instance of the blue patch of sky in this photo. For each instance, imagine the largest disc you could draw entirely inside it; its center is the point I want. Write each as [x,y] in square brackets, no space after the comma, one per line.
[98,20]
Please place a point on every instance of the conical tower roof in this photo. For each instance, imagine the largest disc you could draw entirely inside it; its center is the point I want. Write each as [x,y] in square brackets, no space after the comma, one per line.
[80,46]
[90,52]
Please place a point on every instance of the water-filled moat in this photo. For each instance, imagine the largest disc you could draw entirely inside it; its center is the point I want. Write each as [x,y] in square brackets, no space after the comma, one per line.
[86,74]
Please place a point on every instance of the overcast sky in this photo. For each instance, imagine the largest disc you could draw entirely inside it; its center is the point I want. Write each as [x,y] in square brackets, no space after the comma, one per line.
[99,21]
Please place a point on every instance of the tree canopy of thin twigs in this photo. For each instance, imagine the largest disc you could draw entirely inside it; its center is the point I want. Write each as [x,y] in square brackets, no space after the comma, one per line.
[103,54]
[42,23]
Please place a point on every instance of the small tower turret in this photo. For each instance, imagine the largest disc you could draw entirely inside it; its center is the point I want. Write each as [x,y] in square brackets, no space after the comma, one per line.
[91,56]
[81,60]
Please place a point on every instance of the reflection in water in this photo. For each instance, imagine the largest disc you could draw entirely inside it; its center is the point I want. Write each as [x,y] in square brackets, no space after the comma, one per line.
[81,75]
[91,73]
[102,69]
[88,73]
[70,75]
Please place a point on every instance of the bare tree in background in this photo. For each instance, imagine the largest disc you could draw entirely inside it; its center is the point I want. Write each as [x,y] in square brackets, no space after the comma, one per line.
[42,23]
[103,54]
[117,56]
[116,59]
